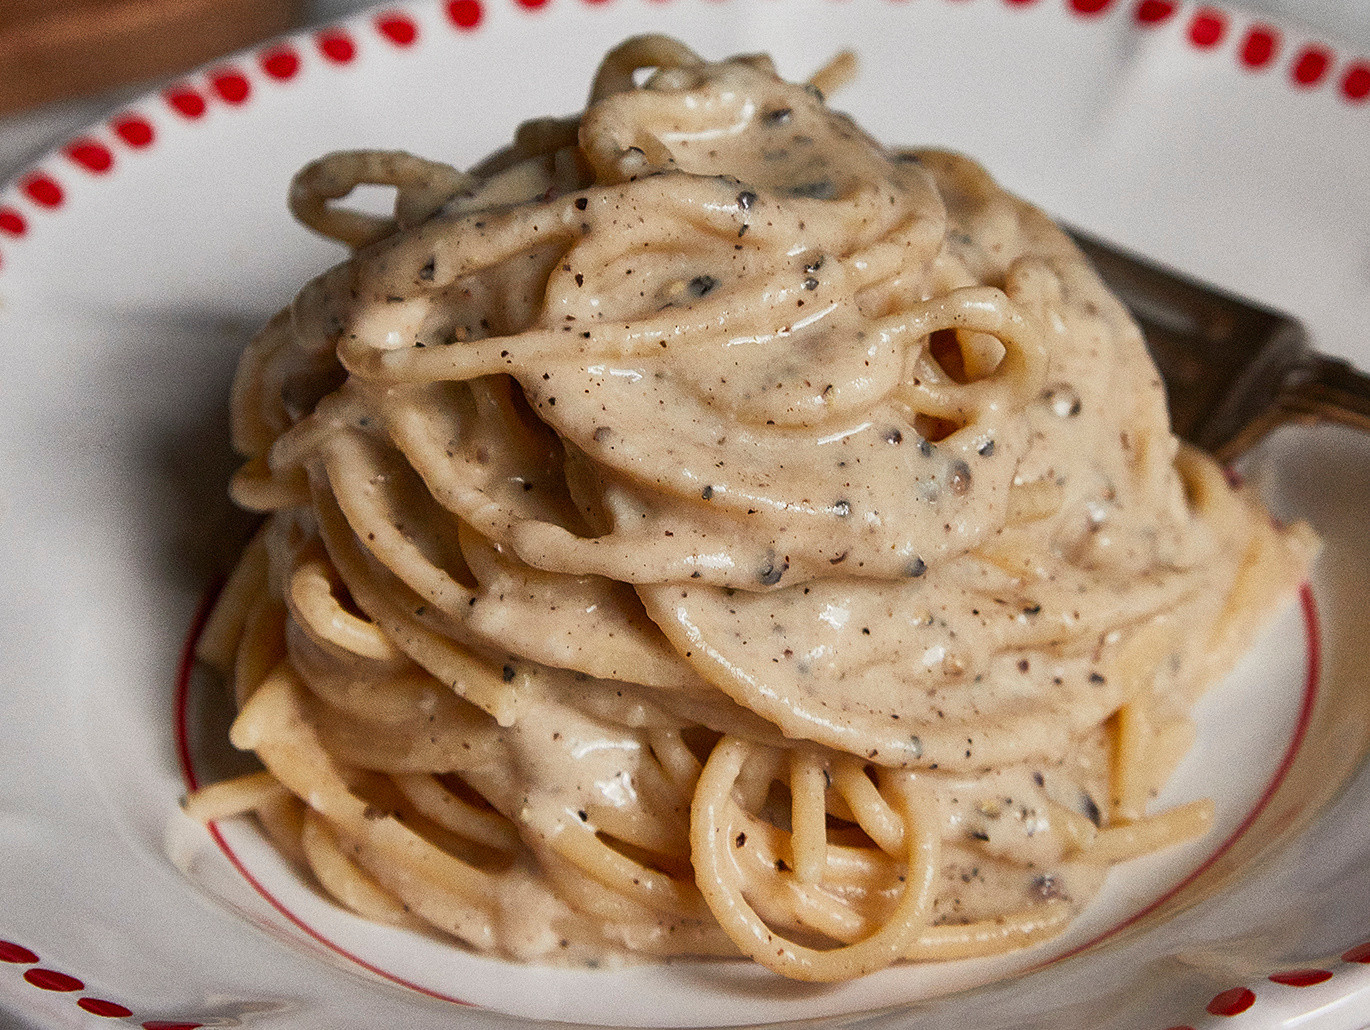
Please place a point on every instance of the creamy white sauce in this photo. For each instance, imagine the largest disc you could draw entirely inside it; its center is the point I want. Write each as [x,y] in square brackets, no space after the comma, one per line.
[710,413]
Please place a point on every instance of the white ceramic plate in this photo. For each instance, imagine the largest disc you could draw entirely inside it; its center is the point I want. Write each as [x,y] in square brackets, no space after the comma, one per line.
[136,262]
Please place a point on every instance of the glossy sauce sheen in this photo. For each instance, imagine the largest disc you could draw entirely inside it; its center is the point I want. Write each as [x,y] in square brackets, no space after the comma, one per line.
[706,413]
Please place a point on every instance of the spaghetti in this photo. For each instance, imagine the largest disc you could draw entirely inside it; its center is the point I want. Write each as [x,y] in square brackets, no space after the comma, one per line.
[700,530]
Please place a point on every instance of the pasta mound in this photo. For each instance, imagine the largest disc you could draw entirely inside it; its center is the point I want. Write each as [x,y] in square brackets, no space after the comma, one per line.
[699,530]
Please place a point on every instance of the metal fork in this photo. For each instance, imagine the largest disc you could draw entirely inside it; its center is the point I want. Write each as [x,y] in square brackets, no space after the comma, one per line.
[1233,370]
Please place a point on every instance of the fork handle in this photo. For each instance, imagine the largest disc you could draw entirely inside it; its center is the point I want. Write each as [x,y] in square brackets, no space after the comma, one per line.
[1326,389]
[1312,388]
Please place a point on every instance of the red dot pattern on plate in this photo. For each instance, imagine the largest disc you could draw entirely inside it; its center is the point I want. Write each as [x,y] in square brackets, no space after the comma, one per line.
[1360,953]
[465,14]
[1261,45]
[186,101]
[1090,7]
[109,1009]
[532,5]
[398,29]
[51,980]
[1153,12]
[90,155]
[1311,65]
[1019,3]
[337,46]
[1300,977]
[1207,28]
[1232,1002]
[135,131]
[43,190]
[231,85]
[281,63]
[1355,84]
[10,952]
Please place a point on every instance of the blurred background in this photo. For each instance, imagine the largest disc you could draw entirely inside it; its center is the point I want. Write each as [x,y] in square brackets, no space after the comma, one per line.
[67,63]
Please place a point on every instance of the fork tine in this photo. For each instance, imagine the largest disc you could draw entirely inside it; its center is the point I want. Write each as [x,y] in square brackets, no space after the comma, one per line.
[1233,369]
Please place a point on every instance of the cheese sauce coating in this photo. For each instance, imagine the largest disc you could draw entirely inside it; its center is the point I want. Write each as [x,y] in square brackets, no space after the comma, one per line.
[700,530]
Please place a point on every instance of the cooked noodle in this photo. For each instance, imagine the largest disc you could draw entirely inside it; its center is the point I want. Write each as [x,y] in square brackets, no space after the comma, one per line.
[700,530]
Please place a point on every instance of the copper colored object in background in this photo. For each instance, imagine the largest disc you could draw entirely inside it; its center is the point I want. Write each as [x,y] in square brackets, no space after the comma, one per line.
[55,49]
[1233,370]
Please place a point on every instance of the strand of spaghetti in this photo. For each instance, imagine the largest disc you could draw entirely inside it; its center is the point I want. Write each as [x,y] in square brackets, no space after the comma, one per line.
[345,880]
[808,815]
[615,74]
[422,187]
[991,936]
[451,812]
[1079,832]
[256,414]
[847,868]
[218,640]
[576,842]
[367,490]
[257,487]
[1151,833]
[227,798]
[835,74]
[674,756]
[711,840]
[314,605]
[873,813]
[440,887]
[261,647]
[283,822]
[391,605]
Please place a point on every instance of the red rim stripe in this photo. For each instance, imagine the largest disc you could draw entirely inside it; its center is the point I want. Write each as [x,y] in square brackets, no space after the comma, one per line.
[465,14]
[1208,27]
[1312,681]
[231,85]
[108,1009]
[181,705]
[134,130]
[51,980]
[186,102]
[281,63]
[1232,1003]
[16,953]
[91,155]
[43,190]
[336,45]
[11,224]
[1355,84]
[399,29]
[1154,12]
[1300,977]
[1311,65]
[1261,46]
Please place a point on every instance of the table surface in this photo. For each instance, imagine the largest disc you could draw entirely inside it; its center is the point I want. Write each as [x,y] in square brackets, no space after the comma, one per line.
[26,136]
